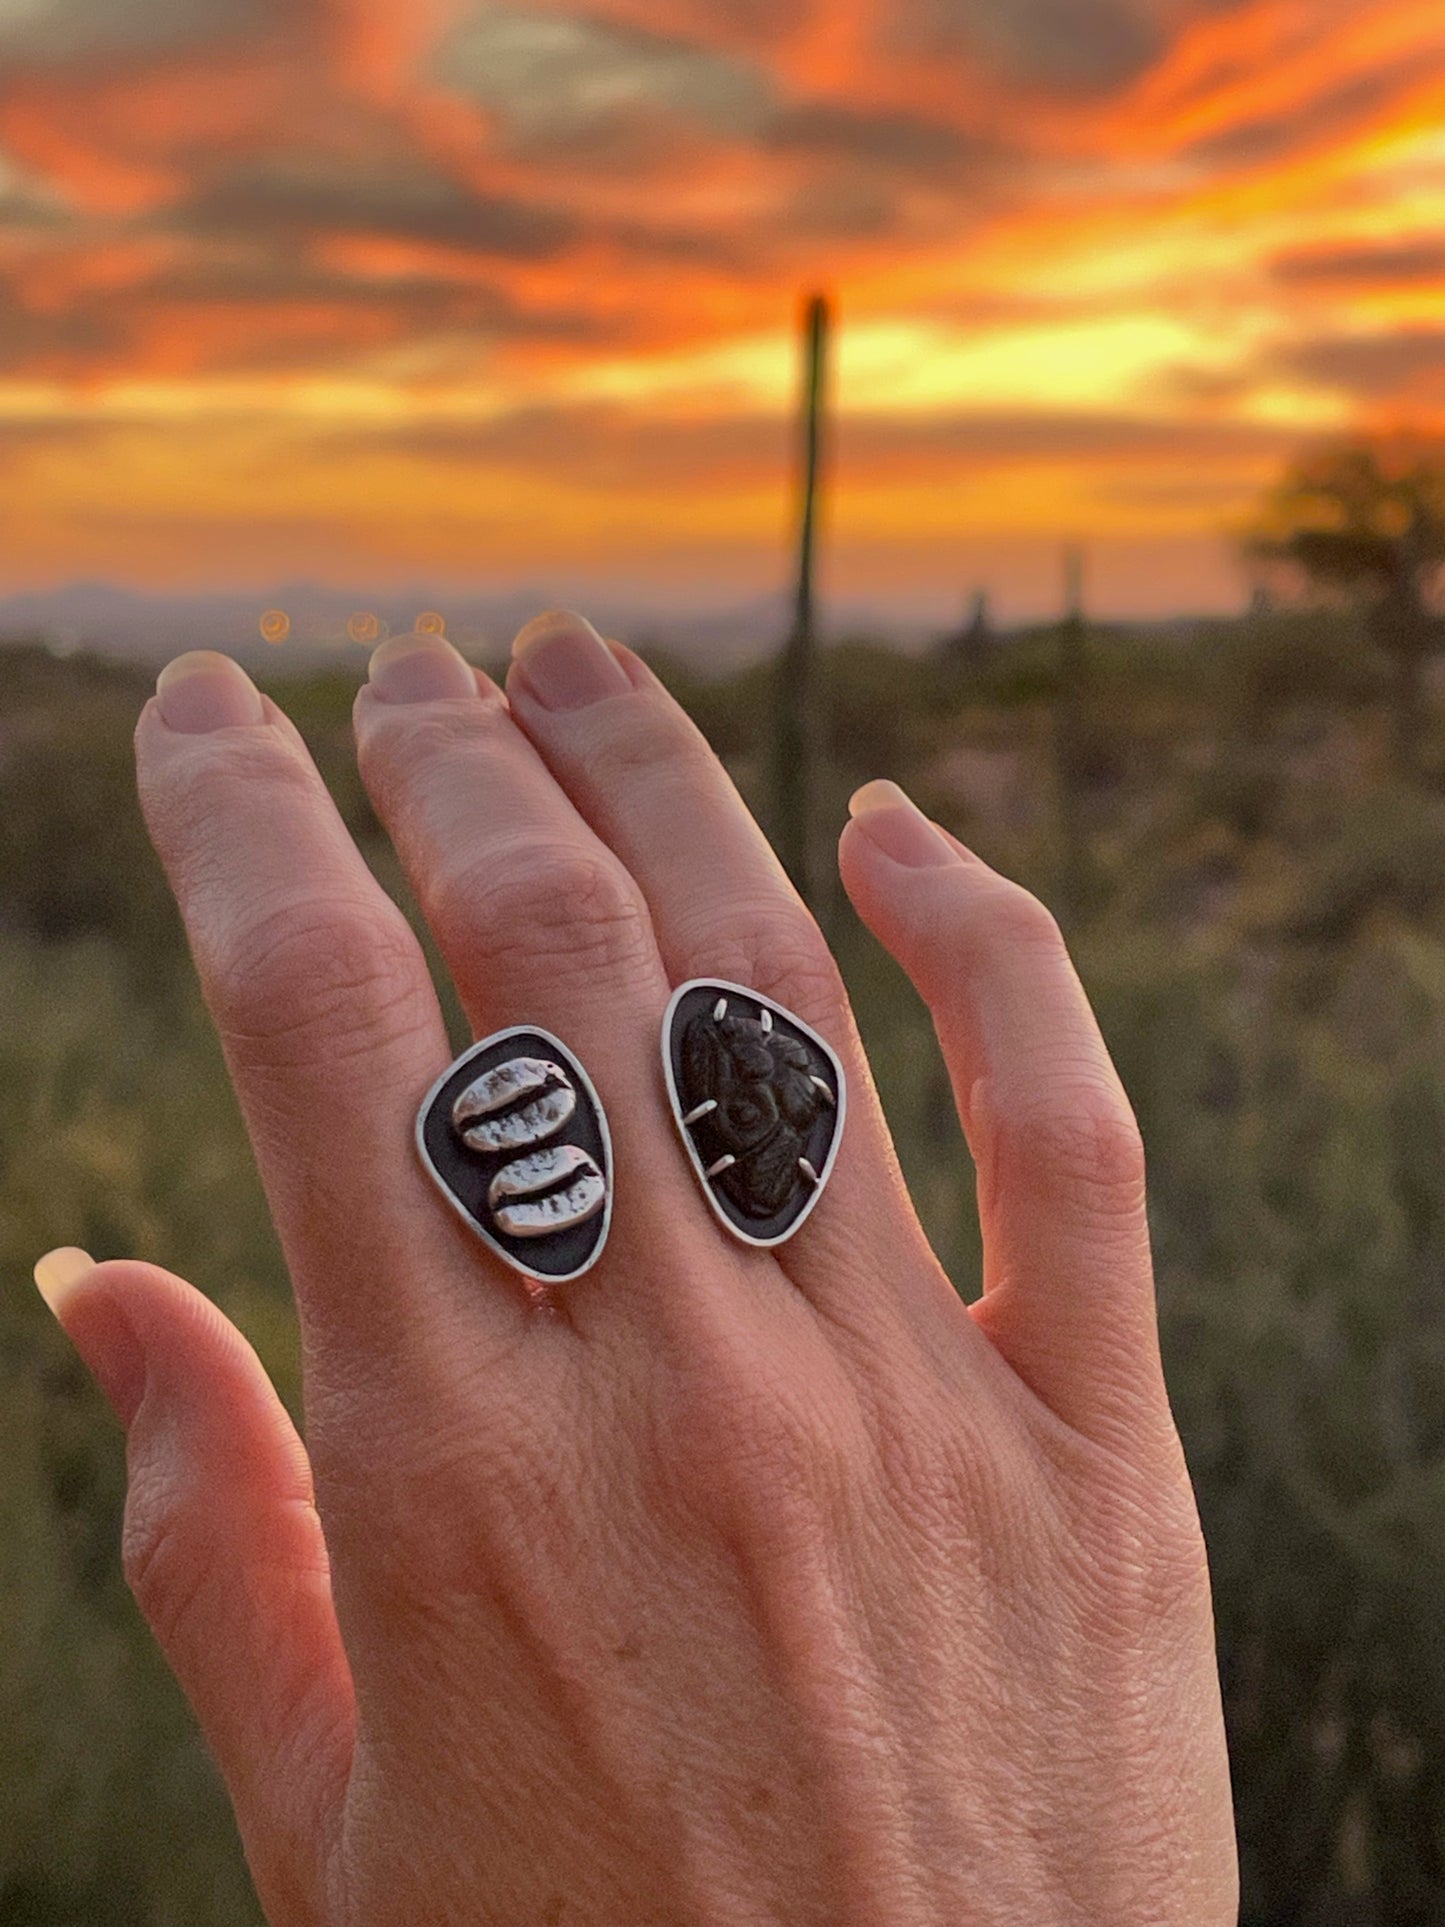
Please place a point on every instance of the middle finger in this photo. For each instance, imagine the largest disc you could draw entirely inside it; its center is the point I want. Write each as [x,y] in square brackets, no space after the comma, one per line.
[538,921]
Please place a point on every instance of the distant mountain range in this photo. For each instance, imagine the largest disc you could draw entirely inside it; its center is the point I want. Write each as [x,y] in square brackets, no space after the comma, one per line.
[323,623]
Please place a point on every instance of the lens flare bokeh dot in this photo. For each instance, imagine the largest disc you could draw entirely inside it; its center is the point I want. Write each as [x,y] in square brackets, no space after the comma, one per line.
[431,624]
[275,625]
[364,626]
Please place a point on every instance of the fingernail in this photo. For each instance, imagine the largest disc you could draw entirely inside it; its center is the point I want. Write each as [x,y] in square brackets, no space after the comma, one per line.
[60,1273]
[420,669]
[890,818]
[205,690]
[566,663]
[98,1328]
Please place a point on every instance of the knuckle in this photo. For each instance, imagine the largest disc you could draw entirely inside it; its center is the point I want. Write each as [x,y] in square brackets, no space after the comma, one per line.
[752,1448]
[487,1479]
[163,1564]
[544,900]
[780,951]
[1116,1147]
[932,1447]
[1011,918]
[309,975]
[208,780]
[1140,1557]
[648,738]
[407,750]
[1087,1144]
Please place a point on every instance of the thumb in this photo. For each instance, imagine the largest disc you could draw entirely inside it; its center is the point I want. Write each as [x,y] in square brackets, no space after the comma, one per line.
[224,1552]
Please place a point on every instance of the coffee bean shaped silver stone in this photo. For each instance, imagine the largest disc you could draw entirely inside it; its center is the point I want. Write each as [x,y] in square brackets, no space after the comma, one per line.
[558,1211]
[549,1191]
[515,1137]
[546,1102]
[525,1176]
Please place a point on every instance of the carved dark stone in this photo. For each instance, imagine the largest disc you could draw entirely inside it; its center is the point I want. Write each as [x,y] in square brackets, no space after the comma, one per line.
[515,1136]
[759,1099]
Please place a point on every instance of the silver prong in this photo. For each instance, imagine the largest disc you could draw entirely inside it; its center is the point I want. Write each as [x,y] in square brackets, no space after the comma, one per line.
[766,1020]
[808,1172]
[720,1009]
[723,1164]
[702,1111]
[826,1090]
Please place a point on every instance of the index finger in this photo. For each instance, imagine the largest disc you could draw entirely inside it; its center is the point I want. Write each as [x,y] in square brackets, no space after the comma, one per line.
[320,991]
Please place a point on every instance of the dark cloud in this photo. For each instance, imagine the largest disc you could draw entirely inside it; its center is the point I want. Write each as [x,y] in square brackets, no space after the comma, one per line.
[268,281]
[55,344]
[405,308]
[1072,44]
[606,446]
[57,32]
[599,444]
[694,247]
[26,202]
[403,199]
[901,141]
[1385,264]
[411,306]
[277,314]
[1269,137]
[873,176]
[836,204]
[1369,366]
[565,82]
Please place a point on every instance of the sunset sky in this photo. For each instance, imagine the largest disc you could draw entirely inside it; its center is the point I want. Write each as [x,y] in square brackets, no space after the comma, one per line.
[393,291]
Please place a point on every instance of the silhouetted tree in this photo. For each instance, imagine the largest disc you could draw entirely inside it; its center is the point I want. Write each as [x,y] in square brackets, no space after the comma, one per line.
[1366,520]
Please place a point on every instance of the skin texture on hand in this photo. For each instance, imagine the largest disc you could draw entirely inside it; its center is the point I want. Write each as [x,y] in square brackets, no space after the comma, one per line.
[726,1586]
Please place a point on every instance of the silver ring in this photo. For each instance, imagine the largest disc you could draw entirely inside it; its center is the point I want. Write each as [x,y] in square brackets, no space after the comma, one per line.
[515,1137]
[759,1099]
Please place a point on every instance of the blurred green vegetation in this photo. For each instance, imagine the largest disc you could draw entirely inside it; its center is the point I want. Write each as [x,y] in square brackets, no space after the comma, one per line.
[1256,898]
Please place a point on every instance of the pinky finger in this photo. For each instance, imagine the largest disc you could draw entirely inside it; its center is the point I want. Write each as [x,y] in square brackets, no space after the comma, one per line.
[224,1552]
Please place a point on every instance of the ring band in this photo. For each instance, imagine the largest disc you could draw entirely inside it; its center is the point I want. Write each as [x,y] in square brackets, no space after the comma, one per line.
[759,1099]
[515,1137]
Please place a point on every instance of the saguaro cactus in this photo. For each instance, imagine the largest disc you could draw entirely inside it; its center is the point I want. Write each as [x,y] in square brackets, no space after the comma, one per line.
[1071,745]
[797,745]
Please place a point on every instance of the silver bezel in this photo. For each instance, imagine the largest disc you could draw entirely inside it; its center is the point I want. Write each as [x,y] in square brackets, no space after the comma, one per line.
[675,1104]
[574,1063]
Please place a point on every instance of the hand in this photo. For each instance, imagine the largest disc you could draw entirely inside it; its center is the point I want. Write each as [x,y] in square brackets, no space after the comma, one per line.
[753,1586]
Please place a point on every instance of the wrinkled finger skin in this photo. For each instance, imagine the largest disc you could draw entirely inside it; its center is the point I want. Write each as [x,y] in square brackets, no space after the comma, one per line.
[758,1587]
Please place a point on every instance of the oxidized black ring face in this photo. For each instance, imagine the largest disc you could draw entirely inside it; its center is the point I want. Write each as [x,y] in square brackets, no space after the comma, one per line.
[759,1099]
[515,1136]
